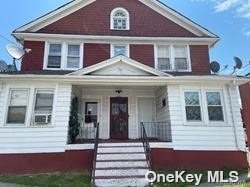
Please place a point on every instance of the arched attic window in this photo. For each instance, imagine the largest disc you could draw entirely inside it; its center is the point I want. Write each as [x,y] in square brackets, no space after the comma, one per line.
[119,19]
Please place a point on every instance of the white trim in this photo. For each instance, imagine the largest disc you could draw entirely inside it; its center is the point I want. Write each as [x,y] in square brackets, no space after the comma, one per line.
[78,4]
[153,145]
[112,49]
[126,80]
[178,18]
[119,59]
[172,57]
[64,54]
[202,90]
[54,16]
[110,39]
[112,20]
[9,91]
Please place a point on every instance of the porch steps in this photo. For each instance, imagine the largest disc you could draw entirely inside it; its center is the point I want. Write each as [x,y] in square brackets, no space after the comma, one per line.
[121,164]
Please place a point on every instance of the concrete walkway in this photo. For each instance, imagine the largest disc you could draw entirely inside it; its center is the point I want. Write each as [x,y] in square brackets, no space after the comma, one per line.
[11,185]
[242,179]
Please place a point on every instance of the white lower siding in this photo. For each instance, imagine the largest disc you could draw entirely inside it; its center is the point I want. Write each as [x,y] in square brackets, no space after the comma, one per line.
[205,136]
[27,139]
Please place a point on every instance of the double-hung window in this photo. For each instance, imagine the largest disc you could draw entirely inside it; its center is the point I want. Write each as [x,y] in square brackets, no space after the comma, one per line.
[193,106]
[180,58]
[73,59]
[55,56]
[63,56]
[172,58]
[43,106]
[17,108]
[163,58]
[214,106]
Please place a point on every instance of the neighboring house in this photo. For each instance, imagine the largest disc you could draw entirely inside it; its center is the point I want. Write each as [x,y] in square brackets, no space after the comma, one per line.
[128,62]
[244,93]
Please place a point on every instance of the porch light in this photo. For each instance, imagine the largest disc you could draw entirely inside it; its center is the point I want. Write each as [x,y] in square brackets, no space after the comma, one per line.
[118,92]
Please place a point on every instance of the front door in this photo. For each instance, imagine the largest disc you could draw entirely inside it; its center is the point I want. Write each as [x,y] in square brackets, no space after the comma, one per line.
[119,118]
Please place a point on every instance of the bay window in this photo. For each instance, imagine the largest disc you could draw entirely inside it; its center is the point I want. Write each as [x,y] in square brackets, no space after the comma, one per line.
[17,107]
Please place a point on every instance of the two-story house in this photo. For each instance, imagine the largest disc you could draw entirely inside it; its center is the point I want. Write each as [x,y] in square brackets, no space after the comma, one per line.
[130,63]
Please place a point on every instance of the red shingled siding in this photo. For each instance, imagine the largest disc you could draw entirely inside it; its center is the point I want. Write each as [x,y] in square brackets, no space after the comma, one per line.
[200,59]
[143,54]
[173,159]
[245,97]
[95,53]
[69,161]
[34,60]
[94,19]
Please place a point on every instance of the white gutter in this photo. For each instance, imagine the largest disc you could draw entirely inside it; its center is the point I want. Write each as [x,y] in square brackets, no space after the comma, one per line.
[108,39]
[134,80]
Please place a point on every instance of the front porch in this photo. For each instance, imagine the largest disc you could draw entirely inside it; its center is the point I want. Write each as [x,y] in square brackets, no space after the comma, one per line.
[121,111]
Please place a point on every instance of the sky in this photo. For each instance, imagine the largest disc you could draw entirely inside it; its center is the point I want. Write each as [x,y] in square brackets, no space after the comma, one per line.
[229,19]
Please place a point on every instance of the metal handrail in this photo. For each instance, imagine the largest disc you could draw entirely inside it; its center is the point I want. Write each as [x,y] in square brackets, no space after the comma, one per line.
[146,145]
[95,154]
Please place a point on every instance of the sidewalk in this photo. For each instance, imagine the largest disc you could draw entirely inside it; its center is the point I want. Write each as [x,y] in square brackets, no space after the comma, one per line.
[11,185]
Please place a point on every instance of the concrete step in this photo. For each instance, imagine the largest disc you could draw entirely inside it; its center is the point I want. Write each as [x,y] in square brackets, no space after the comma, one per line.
[121,150]
[136,144]
[107,157]
[121,164]
[120,172]
[132,182]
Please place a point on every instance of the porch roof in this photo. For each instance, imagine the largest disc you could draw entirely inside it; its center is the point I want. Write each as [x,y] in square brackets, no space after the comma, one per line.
[125,80]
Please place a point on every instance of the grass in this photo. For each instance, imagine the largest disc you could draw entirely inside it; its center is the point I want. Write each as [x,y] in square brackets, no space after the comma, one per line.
[50,180]
[204,178]
[84,179]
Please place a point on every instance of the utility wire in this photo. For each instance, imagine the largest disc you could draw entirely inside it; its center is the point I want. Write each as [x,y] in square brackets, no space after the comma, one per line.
[5,38]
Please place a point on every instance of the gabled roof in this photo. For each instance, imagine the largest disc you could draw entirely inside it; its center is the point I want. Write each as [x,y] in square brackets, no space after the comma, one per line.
[120,66]
[75,5]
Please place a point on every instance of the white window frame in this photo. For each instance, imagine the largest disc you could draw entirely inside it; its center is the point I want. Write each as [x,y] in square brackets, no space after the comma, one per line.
[222,105]
[8,104]
[112,20]
[172,56]
[44,90]
[112,51]
[203,103]
[64,55]
[184,106]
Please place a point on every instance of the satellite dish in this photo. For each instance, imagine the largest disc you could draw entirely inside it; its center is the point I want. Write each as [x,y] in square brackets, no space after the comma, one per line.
[3,66]
[238,63]
[16,52]
[215,67]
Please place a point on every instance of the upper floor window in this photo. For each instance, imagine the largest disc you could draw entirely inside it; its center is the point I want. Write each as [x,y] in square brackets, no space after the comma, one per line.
[119,19]
[119,49]
[63,56]
[172,58]
[55,56]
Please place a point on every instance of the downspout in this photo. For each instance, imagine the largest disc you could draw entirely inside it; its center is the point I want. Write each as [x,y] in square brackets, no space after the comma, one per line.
[233,114]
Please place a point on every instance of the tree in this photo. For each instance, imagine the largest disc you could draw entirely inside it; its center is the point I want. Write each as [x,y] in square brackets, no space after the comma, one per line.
[74,124]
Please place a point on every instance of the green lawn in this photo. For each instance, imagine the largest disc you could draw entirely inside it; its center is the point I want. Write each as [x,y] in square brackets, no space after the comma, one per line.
[83,179]
[50,180]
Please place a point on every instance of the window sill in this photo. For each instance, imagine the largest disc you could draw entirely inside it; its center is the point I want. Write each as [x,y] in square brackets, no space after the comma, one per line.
[9,126]
[61,69]
[211,124]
